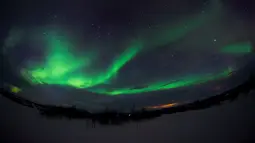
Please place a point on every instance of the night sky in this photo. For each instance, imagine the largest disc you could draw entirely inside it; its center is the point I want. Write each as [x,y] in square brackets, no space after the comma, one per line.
[116,54]
[123,53]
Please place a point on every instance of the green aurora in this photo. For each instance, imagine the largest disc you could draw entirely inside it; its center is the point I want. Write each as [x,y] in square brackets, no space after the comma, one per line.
[63,66]
[239,48]
[61,69]
[166,85]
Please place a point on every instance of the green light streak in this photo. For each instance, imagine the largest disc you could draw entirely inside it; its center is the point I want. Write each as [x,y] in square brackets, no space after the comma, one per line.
[59,65]
[64,68]
[165,85]
[239,48]
[126,56]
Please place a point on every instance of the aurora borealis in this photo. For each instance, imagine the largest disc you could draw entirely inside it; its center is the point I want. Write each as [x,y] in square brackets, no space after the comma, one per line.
[239,48]
[145,71]
[62,68]
[145,53]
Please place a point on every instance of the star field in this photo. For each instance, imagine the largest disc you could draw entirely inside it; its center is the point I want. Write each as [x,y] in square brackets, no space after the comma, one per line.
[129,48]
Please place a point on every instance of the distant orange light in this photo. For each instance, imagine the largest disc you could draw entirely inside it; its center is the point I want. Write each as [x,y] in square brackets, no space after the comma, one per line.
[162,106]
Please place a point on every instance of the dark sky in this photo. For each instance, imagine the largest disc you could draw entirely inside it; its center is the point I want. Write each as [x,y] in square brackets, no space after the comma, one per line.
[108,26]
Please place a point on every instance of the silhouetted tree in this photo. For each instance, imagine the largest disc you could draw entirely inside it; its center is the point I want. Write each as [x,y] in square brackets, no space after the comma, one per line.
[110,117]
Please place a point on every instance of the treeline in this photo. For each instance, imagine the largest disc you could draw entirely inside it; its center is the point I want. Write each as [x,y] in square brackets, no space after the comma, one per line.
[108,117]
